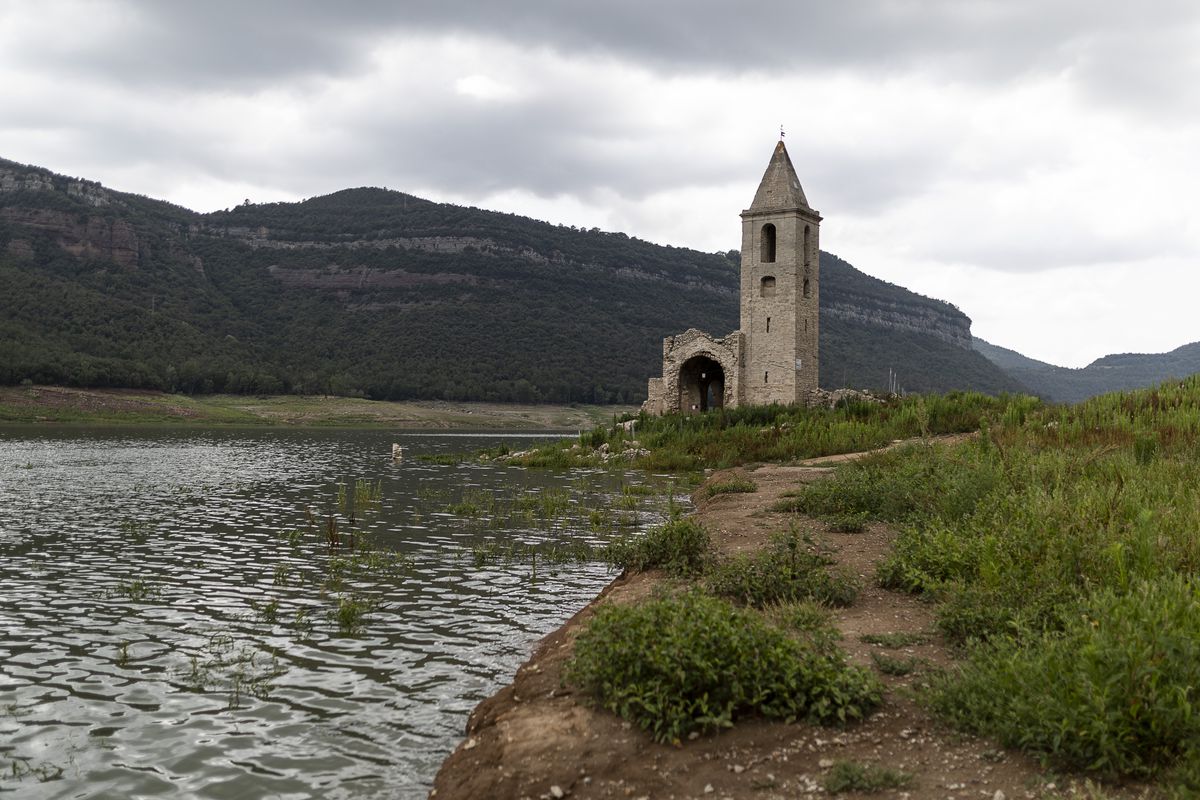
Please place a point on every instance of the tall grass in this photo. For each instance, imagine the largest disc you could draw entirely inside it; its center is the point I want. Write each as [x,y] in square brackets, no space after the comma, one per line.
[1061,546]
[728,437]
[1113,692]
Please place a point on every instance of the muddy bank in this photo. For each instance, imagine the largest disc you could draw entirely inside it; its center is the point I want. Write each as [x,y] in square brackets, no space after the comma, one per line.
[66,405]
[536,739]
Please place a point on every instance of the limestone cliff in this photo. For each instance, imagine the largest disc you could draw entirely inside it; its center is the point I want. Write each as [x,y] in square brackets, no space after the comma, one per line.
[860,298]
[87,236]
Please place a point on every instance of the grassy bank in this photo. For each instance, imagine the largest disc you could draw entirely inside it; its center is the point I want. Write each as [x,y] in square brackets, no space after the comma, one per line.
[1059,547]
[779,433]
[1061,550]
[59,405]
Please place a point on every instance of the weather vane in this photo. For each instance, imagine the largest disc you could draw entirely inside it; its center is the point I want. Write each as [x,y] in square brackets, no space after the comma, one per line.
[781,133]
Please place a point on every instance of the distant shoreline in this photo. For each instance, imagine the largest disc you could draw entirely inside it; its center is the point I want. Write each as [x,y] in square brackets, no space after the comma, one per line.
[58,405]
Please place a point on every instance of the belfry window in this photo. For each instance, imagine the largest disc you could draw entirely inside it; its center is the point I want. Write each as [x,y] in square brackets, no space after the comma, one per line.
[766,287]
[807,289]
[806,247]
[767,244]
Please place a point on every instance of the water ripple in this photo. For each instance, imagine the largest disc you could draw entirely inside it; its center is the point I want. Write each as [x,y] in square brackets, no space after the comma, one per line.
[161,634]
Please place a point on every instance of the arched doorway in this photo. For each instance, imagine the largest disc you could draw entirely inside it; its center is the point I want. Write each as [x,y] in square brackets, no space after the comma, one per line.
[701,385]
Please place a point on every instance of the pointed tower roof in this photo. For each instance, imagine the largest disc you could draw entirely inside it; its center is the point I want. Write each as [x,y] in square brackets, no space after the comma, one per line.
[780,188]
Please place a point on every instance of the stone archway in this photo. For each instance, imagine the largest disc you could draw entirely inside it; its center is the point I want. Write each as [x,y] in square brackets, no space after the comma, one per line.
[701,385]
[700,372]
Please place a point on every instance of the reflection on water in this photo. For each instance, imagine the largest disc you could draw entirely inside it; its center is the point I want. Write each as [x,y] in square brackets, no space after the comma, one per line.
[169,614]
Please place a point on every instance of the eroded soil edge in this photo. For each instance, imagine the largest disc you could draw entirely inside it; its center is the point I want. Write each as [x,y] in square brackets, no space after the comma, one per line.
[535,739]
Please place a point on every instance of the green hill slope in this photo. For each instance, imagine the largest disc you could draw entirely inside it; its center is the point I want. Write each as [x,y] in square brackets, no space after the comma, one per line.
[1107,374]
[381,294]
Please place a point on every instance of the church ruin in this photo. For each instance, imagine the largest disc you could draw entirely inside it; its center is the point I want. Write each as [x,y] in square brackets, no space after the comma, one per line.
[773,357]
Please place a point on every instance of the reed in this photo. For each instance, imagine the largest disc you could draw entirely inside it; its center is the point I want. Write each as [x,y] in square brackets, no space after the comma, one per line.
[224,665]
[367,495]
[351,612]
[136,589]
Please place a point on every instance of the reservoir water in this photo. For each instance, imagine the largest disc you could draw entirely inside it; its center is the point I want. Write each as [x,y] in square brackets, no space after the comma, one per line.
[175,623]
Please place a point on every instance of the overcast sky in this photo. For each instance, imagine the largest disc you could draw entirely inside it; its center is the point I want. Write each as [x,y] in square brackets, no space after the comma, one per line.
[1031,162]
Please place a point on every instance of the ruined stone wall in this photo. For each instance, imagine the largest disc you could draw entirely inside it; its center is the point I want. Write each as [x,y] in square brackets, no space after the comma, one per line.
[679,349]
[656,399]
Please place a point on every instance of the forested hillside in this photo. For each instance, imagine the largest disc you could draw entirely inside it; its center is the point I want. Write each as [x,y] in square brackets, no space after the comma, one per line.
[380,294]
[1106,374]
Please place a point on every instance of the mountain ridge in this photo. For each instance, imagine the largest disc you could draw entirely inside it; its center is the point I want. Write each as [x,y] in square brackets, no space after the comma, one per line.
[374,292]
[1108,373]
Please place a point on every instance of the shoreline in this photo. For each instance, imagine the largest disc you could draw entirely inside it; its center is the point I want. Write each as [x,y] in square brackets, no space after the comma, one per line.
[535,739]
[58,405]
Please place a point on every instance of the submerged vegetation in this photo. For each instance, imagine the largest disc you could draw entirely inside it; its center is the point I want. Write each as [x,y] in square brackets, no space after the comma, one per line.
[236,669]
[584,523]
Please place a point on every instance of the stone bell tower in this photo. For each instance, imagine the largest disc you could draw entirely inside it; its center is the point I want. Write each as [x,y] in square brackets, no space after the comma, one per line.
[773,357]
[780,288]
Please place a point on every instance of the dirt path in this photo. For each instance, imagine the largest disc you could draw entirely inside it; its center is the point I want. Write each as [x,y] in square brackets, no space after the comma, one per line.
[534,739]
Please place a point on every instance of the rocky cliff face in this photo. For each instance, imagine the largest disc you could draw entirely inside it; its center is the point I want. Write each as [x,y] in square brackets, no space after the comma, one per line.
[954,328]
[852,296]
[263,238]
[16,179]
[88,236]
[82,234]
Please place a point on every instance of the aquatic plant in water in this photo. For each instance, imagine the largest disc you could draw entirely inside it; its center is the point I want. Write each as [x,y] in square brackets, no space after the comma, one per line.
[228,666]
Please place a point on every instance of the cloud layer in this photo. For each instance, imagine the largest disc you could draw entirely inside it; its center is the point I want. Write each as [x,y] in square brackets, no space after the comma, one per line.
[1031,163]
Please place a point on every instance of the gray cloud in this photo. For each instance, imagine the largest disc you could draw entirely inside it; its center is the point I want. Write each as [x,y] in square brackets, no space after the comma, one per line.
[978,148]
[234,43]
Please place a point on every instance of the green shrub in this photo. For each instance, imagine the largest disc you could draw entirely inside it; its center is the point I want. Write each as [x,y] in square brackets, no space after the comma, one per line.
[731,486]
[788,571]
[852,776]
[893,665]
[847,523]
[595,437]
[894,641]
[804,616]
[692,662]
[926,557]
[679,546]
[1112,693]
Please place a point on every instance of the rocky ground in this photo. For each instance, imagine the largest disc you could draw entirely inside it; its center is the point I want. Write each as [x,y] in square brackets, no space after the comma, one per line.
[536,739]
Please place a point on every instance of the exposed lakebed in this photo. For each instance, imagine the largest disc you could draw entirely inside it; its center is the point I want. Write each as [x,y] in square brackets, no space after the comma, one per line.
[173,621]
